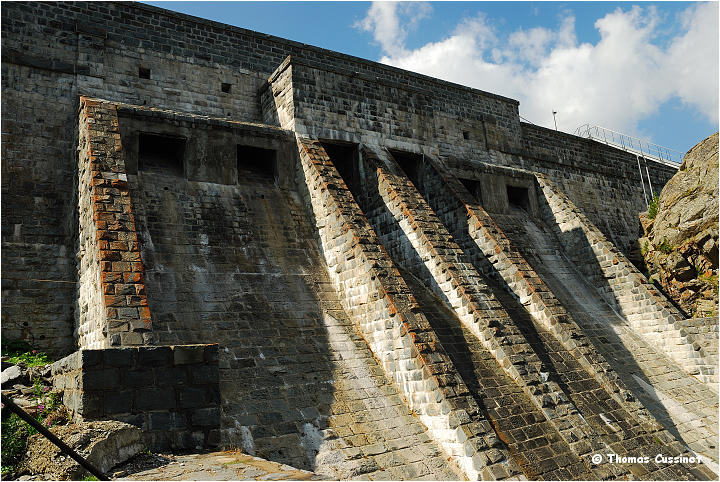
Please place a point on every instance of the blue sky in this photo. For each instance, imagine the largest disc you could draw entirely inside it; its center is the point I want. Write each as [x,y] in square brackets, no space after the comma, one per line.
[646,69]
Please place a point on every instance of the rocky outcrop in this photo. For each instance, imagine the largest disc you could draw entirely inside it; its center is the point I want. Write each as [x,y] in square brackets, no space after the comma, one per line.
[680,242]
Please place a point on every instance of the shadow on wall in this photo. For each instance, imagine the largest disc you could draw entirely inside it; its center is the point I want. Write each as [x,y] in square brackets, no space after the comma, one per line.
[453,214]
[361,177]
[231,263]
[598,326]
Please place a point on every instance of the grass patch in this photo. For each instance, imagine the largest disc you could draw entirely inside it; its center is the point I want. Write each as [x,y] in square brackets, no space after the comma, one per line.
[15,434]
[20,351]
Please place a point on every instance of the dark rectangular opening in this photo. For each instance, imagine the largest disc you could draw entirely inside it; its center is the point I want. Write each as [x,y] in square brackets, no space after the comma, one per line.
[344,156]
[161,154]
[518,197]
[256,163]
[474,187]
[144,72]
[466,135]
[409,162]
[225,87]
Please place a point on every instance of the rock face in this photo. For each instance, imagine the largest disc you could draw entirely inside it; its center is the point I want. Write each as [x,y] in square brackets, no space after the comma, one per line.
[680,245]
[103,444]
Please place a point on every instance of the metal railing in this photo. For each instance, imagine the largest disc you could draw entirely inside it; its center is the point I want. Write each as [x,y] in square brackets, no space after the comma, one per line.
[639,147]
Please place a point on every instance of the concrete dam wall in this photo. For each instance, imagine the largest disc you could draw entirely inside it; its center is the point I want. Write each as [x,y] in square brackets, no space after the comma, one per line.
[244,241]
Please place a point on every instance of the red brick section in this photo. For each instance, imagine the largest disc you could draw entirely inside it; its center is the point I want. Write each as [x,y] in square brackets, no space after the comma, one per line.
[389,318]
[122,274]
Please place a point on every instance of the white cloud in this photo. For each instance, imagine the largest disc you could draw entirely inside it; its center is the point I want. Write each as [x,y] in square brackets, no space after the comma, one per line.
[390,22]
[616,82]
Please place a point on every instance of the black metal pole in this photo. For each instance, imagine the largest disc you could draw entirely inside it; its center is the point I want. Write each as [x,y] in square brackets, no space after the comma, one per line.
[50,436]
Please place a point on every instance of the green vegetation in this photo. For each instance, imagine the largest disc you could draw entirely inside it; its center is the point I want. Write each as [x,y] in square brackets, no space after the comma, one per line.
[709,278]
[665,247]
[21,352]
[49,409]
[90,477]
[15,434]
[645,248]
[653,207]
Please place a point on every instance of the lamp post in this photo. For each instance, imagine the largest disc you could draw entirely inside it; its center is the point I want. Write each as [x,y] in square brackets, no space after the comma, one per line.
[555,120]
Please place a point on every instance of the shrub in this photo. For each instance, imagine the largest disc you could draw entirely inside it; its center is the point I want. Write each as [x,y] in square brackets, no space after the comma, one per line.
[20,351]
[665,247]
[653,207]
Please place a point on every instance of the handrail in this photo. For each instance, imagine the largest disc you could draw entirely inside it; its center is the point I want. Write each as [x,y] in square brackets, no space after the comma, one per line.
[648,150]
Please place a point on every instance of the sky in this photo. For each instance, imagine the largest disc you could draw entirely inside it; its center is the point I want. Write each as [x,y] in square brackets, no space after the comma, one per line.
[646,69]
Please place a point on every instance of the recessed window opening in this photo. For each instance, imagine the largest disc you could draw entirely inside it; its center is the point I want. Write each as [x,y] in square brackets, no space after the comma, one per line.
[474,187]
[256,163]
[225,87]
[345,158]
[410,163]
[144,72]
[161,154]
[466,135]
[518,197]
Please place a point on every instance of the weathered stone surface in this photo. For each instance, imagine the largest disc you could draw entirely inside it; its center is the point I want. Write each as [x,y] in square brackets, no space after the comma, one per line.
[103,444]
[12,375]
[680,245]
[361,320]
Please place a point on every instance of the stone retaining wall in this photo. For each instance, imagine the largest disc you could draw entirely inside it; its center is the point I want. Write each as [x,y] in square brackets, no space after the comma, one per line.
[171,392]
[499,258]
[53,52]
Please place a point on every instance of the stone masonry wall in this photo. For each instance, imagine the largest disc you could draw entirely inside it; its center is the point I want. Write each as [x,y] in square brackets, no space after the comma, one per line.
[496,256]
[38,207]
[230,258]
[584,371]
[112,304]
[170,392]
[330,102]
[602,181]
[55,51]
[621,284]
[447,264]
[382,307]
[629,356]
